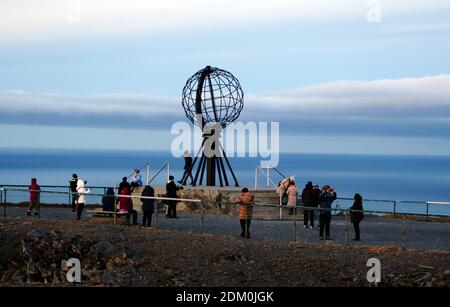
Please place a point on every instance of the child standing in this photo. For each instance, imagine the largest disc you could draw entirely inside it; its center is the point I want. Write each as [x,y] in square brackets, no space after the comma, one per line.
[34,190]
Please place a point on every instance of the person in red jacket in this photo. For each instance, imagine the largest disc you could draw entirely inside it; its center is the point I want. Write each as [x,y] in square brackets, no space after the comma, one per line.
[34,190]
[126,205]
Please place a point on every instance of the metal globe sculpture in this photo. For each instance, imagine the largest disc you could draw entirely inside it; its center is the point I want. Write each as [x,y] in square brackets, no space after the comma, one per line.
[212,96]
[219,93]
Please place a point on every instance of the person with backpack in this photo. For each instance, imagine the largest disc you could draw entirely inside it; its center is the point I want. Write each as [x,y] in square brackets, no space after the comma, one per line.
[356,215]
[34,190]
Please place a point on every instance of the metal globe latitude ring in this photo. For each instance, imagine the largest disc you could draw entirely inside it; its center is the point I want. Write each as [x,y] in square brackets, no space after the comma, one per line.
[212,95]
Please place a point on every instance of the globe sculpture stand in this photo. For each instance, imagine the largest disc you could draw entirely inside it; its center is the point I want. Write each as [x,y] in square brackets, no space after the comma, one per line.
[212,96]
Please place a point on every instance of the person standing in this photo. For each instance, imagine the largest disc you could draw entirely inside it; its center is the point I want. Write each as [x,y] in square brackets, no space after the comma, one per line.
[73,189]
[171,192]
[34,190]
[81,197]
[283,186]
[126,205]
[108,200]
[148,205]
[309,199]
[326,198]
[245,212]
[123,184]
[357,215]
[292,194]
[136,180]
[187,168]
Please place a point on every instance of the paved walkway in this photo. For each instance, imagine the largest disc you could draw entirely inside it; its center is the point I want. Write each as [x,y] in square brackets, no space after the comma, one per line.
[374,230]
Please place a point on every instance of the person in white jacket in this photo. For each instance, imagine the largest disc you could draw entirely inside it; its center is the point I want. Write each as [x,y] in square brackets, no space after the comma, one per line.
[81,199]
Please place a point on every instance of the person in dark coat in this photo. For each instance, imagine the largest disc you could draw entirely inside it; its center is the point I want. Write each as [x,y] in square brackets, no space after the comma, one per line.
[108,200]
[73,189]
[326,198]
[122,185]
[309,200]
[356,216]
[148,205]
[171,192]
[187,169]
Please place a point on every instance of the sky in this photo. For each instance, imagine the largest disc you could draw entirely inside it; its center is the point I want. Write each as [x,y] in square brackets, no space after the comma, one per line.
[341,76]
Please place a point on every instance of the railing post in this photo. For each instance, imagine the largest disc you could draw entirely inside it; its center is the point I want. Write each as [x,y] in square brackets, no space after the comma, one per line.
[39,205]
[346,227]
[1,201]
[256,177]
[156,212]
[201,217]
[268,176]
[4,205]
[404,234]
[115,209]
[281,207]
[428,205]
[295,224]
[395,207]
[168,171]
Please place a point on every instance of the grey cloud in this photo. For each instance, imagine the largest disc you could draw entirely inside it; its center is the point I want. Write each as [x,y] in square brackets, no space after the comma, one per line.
[402,107]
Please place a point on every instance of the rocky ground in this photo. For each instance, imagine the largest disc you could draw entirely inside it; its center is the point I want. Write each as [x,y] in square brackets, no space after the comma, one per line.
[33,252]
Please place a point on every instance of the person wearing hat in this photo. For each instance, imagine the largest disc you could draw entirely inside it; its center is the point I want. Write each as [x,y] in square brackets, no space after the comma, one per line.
[73,189]
[326,198]
[136,180]
[187,168]
[245,212]
[292,193]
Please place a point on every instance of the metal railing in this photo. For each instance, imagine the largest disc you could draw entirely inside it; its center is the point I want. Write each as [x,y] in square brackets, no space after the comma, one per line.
[202,212]
[266,174]
[394,203]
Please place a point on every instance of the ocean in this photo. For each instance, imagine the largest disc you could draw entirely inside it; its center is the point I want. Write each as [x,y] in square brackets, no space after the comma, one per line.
[384,177]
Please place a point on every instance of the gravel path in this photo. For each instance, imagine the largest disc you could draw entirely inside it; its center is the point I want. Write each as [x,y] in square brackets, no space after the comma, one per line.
[374,230]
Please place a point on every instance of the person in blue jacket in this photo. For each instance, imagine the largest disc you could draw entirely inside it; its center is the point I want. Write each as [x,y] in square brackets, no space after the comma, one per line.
[326,198]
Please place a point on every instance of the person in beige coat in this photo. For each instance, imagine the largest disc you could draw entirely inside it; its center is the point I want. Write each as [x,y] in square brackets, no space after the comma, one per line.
[81,197]
[292,193]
